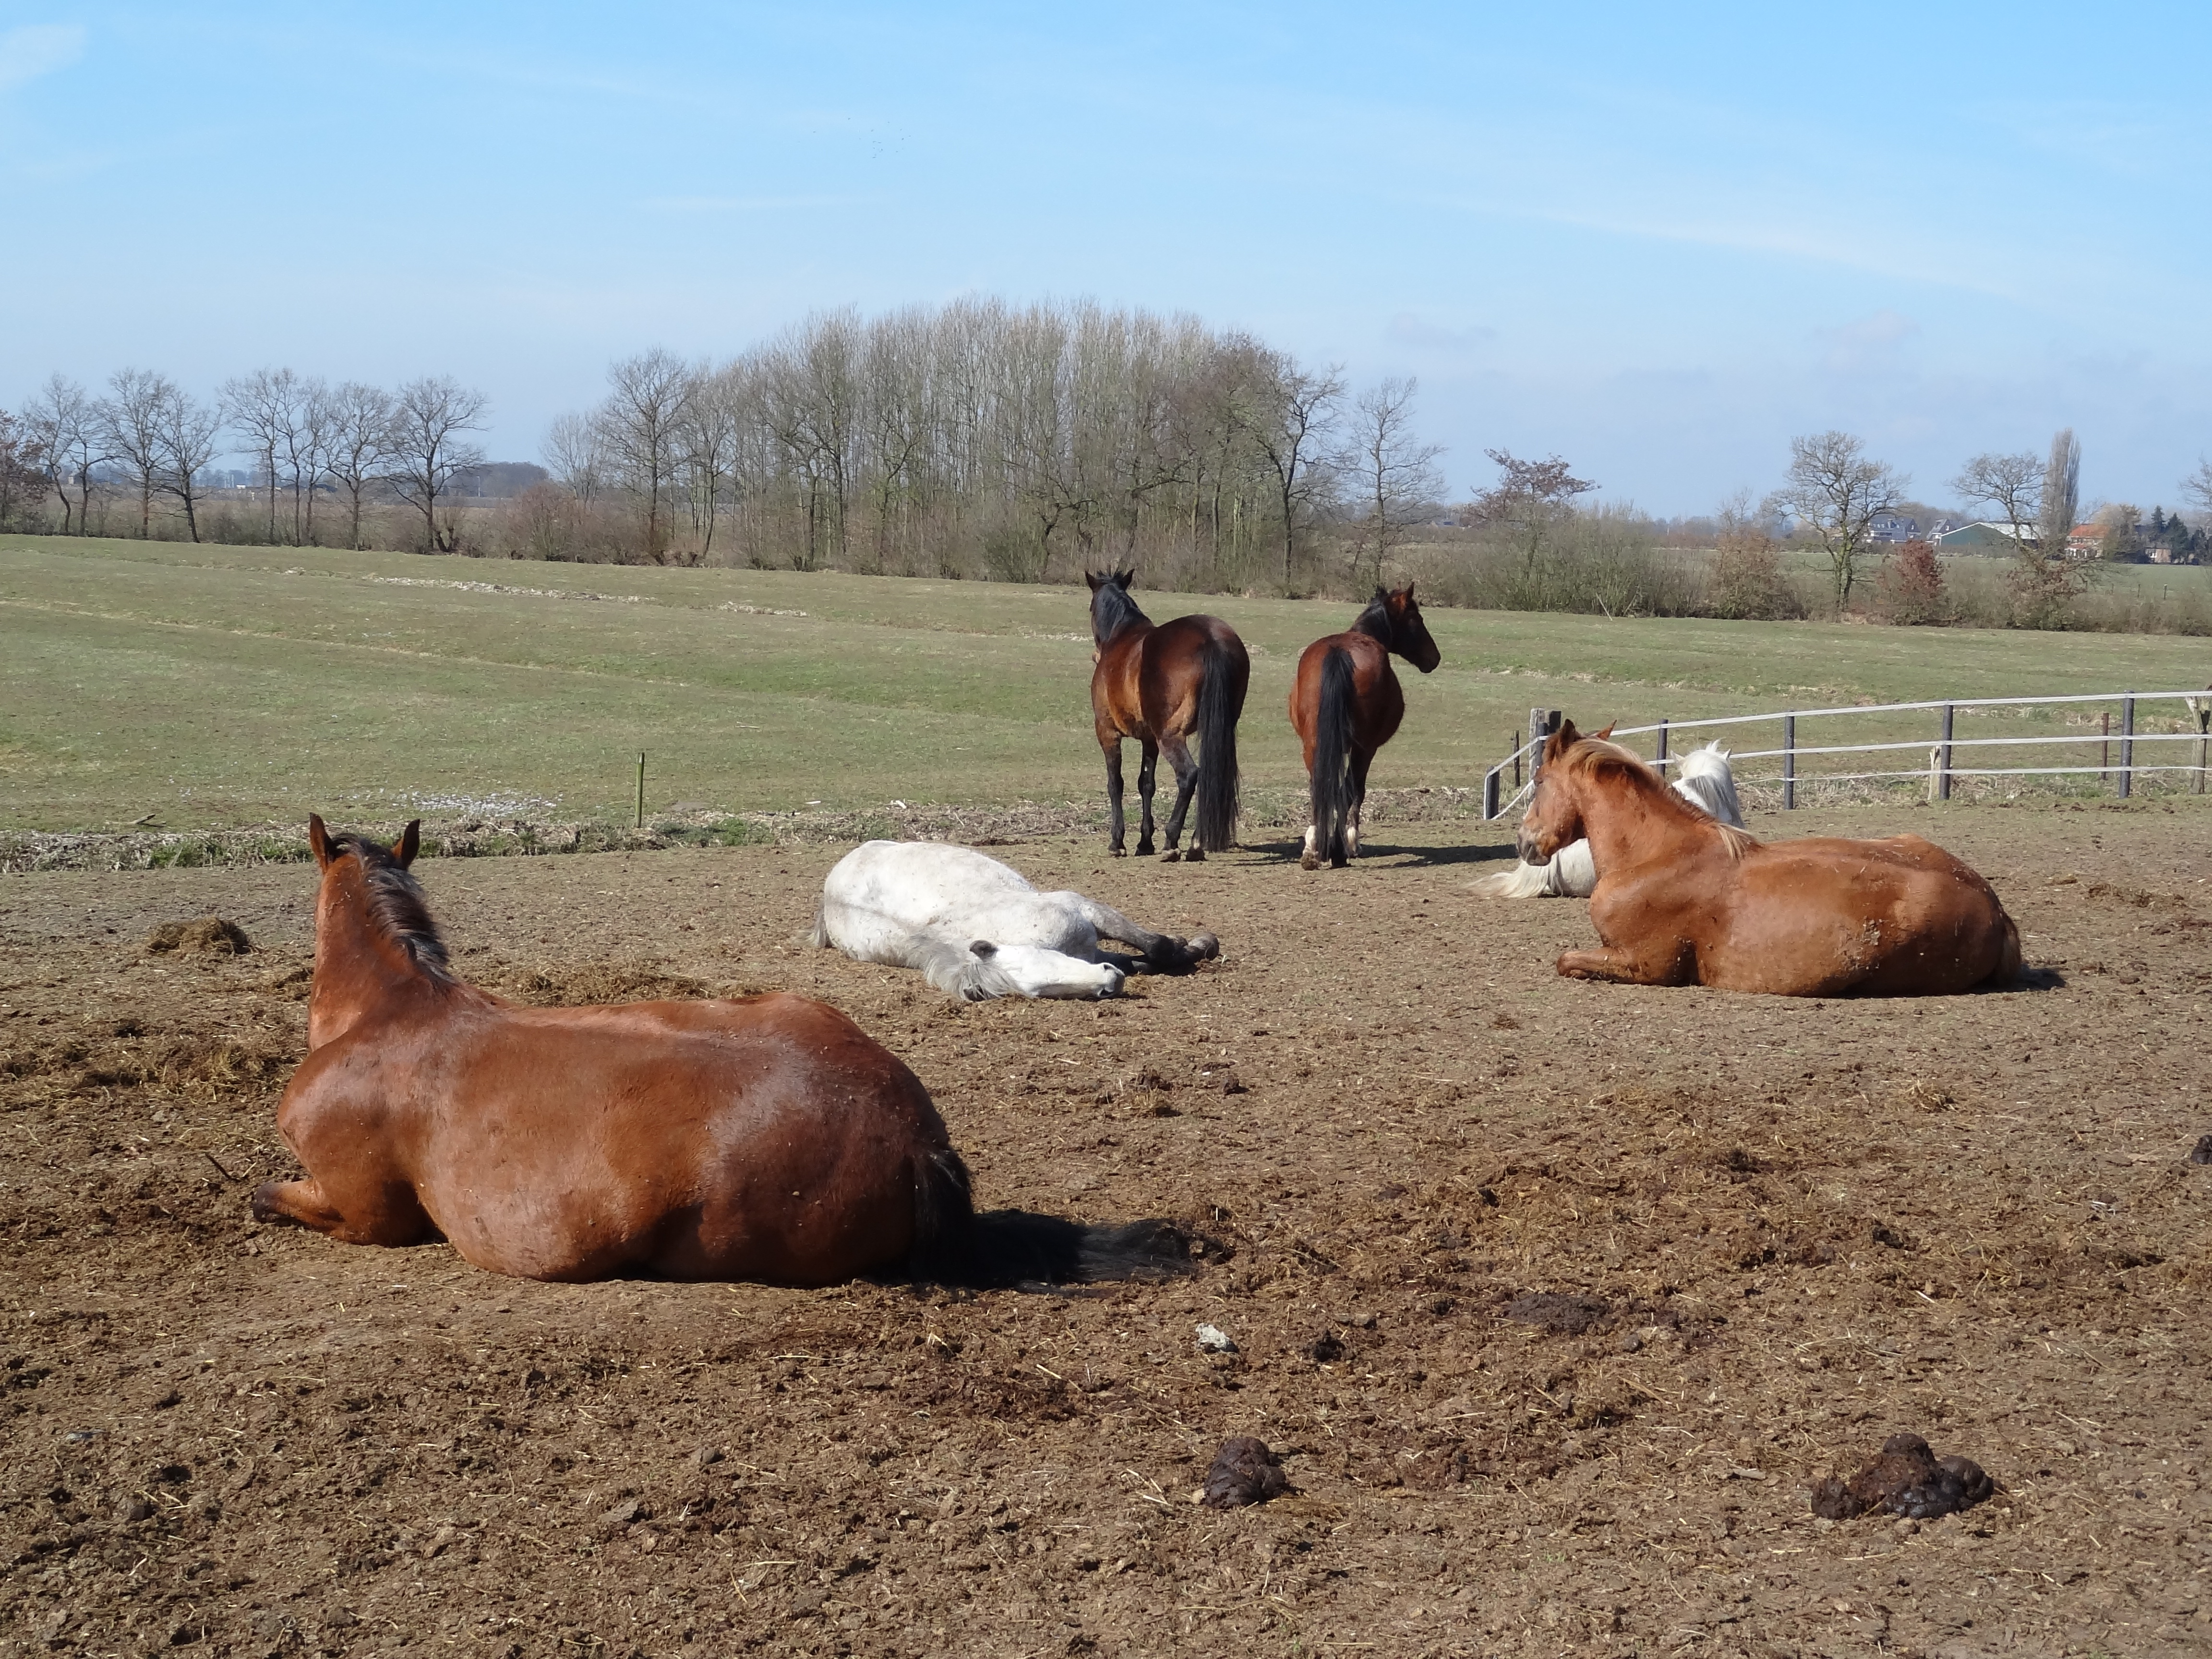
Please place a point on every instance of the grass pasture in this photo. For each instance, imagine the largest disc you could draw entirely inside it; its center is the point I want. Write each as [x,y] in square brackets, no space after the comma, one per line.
[206,687]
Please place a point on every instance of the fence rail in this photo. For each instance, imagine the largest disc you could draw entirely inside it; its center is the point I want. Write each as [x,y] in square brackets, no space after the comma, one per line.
[1941,748]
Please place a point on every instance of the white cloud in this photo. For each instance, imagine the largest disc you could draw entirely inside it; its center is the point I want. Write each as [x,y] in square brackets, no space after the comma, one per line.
[1868,341]
[38,49]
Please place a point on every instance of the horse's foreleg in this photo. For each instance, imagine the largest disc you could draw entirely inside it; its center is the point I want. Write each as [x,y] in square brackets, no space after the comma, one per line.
[1185,772]
[1145,770]
[387,1214]
[1160,949]
[1114,846]
[1630,967]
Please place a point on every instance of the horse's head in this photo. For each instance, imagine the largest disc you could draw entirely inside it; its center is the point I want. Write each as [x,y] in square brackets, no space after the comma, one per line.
[371,927]
[1554,817]
[1409,635]
[1112,610]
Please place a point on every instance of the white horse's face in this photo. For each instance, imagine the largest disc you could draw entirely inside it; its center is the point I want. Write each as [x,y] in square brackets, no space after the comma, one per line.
[1041,973]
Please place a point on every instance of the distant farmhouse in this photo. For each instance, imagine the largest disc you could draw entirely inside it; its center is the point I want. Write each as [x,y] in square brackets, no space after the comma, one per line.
[1982,537]
[1893,527]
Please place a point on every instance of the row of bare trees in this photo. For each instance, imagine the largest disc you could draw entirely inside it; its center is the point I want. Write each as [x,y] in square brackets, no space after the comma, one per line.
[1027,439]
[150,439]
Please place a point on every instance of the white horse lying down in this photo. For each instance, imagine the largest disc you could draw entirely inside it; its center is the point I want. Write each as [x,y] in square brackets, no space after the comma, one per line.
[977,930]
[1706,783]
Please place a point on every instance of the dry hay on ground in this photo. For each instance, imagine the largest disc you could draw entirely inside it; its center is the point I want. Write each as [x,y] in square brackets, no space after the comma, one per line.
[1555,1300]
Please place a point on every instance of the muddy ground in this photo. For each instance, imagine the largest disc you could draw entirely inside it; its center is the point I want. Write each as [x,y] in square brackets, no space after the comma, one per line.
[1772,1232]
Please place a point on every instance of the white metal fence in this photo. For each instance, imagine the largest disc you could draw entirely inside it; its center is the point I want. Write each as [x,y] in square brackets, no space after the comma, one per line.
[1943,748]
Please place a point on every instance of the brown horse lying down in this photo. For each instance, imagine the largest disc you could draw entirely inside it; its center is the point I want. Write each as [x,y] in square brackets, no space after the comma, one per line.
[1683,899]
[767,1138]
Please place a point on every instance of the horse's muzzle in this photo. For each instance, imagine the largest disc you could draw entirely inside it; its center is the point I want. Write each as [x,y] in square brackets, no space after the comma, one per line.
[1525,845]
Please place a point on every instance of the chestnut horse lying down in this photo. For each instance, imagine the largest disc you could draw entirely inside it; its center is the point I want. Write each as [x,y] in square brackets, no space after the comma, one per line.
[767,1138]
[976,929]
[1707,782]
[1682,899]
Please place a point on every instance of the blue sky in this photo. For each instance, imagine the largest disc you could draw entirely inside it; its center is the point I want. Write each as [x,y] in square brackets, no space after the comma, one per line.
[1658,241]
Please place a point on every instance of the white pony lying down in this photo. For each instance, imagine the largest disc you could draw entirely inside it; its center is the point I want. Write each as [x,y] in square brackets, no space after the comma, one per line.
[1706,783]
[976,929]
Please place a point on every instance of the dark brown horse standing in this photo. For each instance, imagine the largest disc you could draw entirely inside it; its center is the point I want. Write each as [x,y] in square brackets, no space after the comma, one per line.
[1346,704]
[765,1138]
[1163,685]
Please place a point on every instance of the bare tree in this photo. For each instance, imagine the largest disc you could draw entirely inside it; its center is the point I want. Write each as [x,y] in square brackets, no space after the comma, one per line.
[263,409]
[306,450]
[2013,486]
[641,426]
[65,421]
[2197,486]
[2061,492]
[184,438]
[356,445]
[129,423]
[1529,500]
[1834,490]
[424,448]
[22,466]
[711,432]
[1395,474]
[1288,417]
[576,456]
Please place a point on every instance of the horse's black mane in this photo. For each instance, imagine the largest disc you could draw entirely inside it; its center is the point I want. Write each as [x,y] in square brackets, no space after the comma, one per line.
[396,904]
[1112,610]
[1375,621]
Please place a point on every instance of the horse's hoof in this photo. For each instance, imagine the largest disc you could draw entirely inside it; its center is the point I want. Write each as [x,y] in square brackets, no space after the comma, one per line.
[1116,852]
[1196,855]
[1172,856]
[264,1207]
[1144,850]
[1310,860]
[1205,946]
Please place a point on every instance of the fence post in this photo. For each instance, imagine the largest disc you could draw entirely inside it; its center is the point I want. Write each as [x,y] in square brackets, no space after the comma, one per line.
[1934,771]
[2204,736]
[1513,742]
[1542,722]
[1789,762]
[2105,750]
[1943,779]
[1661,762]
[2127,745]
[640,788]
[1490,794]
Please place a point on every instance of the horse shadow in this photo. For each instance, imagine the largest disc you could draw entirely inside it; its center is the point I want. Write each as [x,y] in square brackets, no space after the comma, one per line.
[1290,851]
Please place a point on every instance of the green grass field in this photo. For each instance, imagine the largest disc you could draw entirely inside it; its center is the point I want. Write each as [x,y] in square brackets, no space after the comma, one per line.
[212,686]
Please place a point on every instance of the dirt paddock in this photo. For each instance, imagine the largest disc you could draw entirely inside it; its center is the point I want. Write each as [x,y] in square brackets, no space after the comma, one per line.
[1555,1299]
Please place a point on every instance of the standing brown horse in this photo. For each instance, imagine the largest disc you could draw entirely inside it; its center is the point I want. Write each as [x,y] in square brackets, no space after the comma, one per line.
[767,1138]
[1684,899]
[1163,685]
[1345,704]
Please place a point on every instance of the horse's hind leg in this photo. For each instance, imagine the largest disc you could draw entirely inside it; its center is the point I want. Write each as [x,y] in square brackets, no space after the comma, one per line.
[389,1214]
[1185,772]
[1114,844]
[1160,949]
[1145,770]
[1361,760]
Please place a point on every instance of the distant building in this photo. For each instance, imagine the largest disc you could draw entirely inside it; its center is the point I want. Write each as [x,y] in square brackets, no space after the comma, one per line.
[1893,527]
[2086,541]
[1985,537]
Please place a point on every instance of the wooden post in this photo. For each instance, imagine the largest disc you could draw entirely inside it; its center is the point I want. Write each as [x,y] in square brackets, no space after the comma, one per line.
[1934,772]
[1661,762]
[1537,732]
[2105,750]
[2204,736]
[1789,762]
[1943,779]
[1490,794]
[640,788]
[2127,746]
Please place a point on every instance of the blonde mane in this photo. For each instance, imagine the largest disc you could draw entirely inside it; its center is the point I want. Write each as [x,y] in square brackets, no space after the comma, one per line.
[1598,756]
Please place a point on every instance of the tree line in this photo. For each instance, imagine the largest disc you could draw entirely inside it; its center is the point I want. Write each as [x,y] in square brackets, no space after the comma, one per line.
[149,441]
[1030,441]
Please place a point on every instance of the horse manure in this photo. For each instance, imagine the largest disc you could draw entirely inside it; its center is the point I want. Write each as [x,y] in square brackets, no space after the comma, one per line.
[1503,1023]
[208,936]
[1907,1479]
[1325,1350]
[1244,1472]
[2202,1151]
[1559,1312]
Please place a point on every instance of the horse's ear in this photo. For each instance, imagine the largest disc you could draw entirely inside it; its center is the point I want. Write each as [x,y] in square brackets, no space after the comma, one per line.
[1606,736]
[1125,577]
[319,839]
[984,948]
[409,844]
[1092,580]
[1562,740]
[1409,593]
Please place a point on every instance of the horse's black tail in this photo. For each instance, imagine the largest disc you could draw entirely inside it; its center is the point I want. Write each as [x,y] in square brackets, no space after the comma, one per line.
[1221,701]
[1001,1248]
[1332,760]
